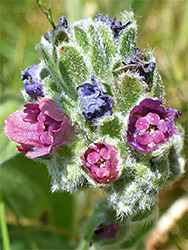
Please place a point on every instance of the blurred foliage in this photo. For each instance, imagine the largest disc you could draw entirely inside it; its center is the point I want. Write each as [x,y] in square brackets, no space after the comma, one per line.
[38,219]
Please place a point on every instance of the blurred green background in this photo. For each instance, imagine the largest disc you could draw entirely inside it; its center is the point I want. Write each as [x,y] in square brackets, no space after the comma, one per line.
[36,218]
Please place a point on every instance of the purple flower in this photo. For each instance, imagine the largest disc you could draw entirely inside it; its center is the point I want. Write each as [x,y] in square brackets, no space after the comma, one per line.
[150,125]
[101,161]
[39,128]
[95,101]
[32,81]
[107,230]
[116,27]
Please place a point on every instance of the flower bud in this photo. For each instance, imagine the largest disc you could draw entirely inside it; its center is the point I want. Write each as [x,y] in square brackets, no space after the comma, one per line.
[107,230]
[95,101]
[32,81]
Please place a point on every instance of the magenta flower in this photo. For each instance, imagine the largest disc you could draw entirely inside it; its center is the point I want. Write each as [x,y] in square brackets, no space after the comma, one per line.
[101,161]
[39,128]
[150,125]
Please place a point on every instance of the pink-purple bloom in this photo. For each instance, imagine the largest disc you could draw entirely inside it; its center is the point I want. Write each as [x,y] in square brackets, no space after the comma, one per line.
[101,162]
[107,230]
[150,125]
[39,128]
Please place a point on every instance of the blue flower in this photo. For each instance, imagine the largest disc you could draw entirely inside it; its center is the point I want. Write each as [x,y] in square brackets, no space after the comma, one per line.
[32,82]
[95,100]
[116,27]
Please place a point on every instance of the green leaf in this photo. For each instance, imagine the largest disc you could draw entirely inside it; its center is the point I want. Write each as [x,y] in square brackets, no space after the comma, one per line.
[46,56]
[72,67]
[139,231]
[127,93]
[127,42]
[64,168]
[81,38]
[129,35]
[19,189]
[25,188]
[103,51]
[111,126]
[157,88]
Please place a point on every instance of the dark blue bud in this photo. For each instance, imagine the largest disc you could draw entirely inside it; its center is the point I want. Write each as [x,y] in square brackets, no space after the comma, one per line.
[137,63]
[149,67]
[94,99]
[105,19]
[32,82]
[62,23]
[99,84]
[88,89]
[115,27]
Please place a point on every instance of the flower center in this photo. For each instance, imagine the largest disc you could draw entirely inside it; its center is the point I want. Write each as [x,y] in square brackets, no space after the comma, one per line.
[46,125]
[101,163]
[152,129]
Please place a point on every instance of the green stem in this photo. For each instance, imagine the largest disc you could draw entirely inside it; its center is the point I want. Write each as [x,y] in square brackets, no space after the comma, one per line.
[4,229]
[47,13]
[84,245]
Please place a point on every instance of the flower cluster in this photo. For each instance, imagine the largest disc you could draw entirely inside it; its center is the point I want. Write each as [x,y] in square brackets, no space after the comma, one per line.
[92,126]
[43,125]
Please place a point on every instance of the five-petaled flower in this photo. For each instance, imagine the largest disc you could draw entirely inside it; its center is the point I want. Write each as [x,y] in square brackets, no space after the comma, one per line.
[101,162]
[150,125]
[39,128]
[32,81]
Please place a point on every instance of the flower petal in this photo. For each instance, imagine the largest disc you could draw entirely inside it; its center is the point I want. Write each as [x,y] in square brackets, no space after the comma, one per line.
[39,151]
[49,107]
[162,126]
[20,131]
[142,124]
[104,153]
[93,157]
[153,118]
[143,138]
[157,136]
